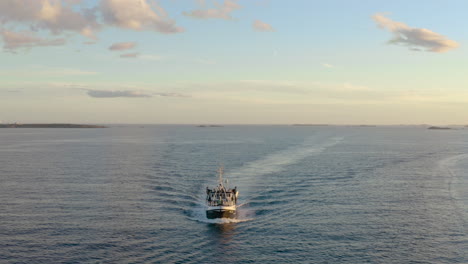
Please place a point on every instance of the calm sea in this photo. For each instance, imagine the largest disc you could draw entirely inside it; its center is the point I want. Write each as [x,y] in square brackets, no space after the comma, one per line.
[134,194]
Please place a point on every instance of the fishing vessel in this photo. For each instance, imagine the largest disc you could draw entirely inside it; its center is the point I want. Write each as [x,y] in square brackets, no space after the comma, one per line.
[221,201]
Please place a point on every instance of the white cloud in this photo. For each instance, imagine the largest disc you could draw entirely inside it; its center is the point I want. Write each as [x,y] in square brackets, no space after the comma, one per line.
[62,17]
[221,11]
[55,16]
[414,38]
[130,55]
[137,15]
[262,26]
[122,46]
[26,39]
[327,65]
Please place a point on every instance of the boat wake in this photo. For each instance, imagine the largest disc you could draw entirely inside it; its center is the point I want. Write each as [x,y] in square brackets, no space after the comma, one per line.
[450,165]
[247,177]
[278,161]
[457,182]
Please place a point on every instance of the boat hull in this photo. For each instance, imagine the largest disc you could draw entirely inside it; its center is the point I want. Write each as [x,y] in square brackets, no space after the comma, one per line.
[221,212]
[213,214]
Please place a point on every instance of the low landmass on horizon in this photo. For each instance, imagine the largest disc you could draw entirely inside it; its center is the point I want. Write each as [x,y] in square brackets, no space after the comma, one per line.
[49,126]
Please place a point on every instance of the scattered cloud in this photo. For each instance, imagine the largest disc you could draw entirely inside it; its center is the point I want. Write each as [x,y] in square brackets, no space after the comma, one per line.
[287,92]
[62,17]
[262,26]
[66,72]
[138,15]
[147,57]
[38,70]
[115,94]
[26,39]
[55,16]
[122,46]
[288,87]
[12,91]
[130,55]
[128,93]
[430,97]
[415,38]
[170,95]
[220,11]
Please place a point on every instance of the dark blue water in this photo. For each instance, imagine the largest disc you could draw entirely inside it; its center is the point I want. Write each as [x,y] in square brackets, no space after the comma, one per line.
[308,195]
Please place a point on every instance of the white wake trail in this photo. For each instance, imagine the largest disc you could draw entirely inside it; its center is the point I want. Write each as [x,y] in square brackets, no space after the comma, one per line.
[456,183]
[278,161]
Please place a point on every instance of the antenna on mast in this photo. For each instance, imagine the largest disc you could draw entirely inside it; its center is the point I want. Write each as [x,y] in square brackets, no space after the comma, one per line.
[220,174]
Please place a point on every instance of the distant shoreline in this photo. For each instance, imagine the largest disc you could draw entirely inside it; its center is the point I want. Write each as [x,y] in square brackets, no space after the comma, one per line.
[49,126]
[439,128]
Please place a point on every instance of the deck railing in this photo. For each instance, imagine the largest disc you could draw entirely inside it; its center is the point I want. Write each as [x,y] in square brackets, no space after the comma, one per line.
[221,203]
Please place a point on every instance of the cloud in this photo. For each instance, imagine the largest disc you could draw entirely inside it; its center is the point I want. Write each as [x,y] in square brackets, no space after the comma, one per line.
[115,94]
[146,57]
[415,38]
[130,55]
[221,11]
[327,65]
[170,95]
[38,70]
[62,17]
[127,93]
[55,16]
[262,26]
[122,46]
[285,92]
[12,91]
[65,72]
[26,39]
[432,97]
[137,15]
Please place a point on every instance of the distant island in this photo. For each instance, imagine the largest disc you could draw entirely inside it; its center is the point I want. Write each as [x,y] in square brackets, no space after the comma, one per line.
[48,126]
[439,128]
[310,124]
[209,126]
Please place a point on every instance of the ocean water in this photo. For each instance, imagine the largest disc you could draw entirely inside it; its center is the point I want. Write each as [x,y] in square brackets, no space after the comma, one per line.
[134,194]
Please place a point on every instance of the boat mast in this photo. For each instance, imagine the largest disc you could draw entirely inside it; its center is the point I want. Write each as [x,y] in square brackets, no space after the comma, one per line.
[220,175]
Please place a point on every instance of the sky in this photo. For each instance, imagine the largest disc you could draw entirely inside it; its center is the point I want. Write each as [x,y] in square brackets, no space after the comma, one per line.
[234,62]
